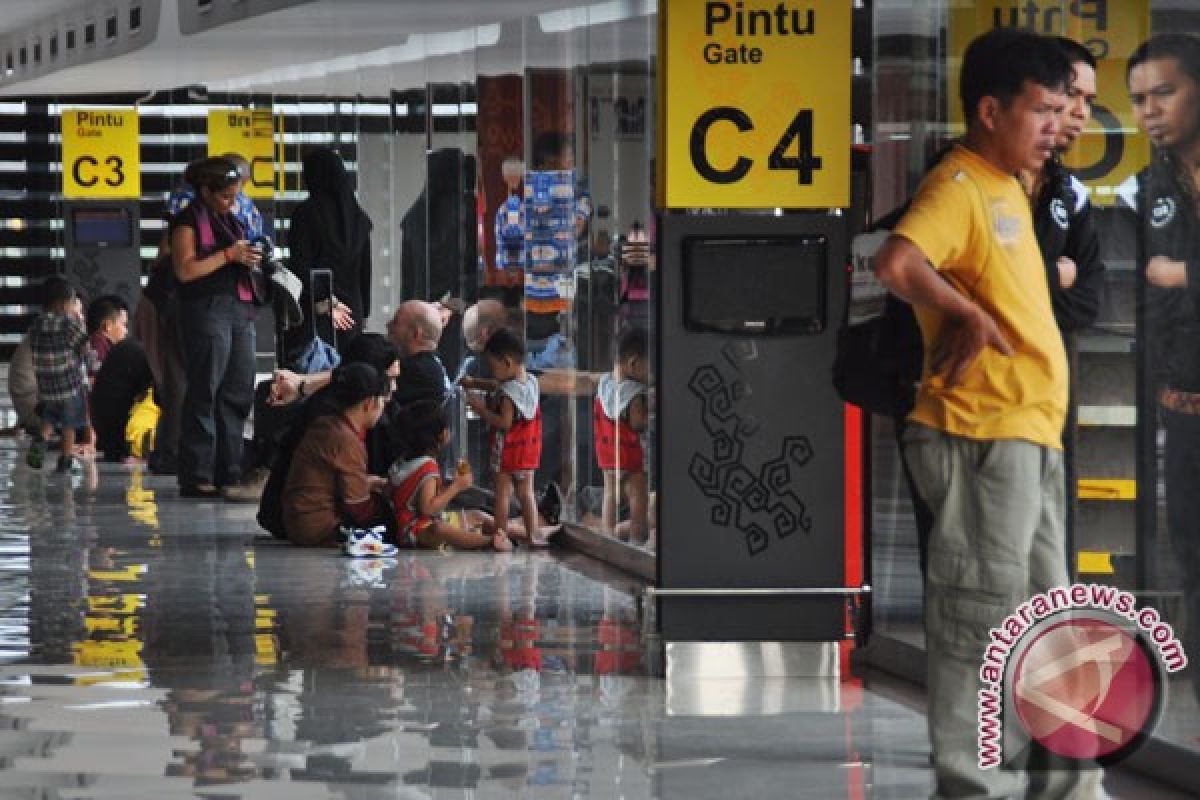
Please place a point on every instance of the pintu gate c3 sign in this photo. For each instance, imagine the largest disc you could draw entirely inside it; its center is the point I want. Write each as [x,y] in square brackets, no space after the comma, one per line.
[756,103]
[100,156]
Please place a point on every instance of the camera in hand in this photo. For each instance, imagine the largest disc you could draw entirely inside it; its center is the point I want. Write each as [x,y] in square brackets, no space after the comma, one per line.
[270,258]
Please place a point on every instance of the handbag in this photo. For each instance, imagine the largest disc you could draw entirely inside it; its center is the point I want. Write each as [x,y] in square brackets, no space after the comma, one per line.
[879,353]
[878,361]
[317,356]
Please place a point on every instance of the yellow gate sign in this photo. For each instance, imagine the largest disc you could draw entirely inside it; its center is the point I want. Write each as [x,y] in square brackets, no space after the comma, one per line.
[250,134]
[1111,148]
[100,155]
[756,104]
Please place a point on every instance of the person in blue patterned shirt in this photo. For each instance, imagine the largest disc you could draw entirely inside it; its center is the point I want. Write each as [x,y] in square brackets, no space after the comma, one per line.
[243,207]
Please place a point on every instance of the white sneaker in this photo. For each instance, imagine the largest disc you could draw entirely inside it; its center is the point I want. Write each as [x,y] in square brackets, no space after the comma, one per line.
[367,543]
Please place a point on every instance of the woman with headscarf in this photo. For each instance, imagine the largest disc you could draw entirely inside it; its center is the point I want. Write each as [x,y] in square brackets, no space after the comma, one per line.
[329,230]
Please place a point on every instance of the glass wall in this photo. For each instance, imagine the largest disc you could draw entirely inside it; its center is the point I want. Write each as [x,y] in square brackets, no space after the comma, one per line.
[1131,523]
[507,169]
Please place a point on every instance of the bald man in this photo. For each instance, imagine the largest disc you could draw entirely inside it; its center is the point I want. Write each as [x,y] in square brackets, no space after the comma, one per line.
[480,321]
[416,328]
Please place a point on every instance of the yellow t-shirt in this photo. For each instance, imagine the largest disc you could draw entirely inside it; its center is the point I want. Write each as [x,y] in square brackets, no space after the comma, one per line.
[972,221]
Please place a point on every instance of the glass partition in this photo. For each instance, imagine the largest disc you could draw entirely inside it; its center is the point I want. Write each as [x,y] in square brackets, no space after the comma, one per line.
[1131,524]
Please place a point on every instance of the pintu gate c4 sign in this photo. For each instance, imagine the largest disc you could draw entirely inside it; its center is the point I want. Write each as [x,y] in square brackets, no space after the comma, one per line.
[756,102]
[100,156]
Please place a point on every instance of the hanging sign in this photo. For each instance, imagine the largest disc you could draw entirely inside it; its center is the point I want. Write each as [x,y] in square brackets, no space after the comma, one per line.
[100,156]
[250,134]
[756,97]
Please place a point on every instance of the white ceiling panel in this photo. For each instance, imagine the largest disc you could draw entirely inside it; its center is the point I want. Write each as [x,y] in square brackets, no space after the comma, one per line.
[16,14]
[326,43]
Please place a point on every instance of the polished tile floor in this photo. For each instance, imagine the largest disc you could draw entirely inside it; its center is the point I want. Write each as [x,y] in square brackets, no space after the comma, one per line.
[158,648]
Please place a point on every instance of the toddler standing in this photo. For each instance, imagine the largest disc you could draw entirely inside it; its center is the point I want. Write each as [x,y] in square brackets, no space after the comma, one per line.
[513,414]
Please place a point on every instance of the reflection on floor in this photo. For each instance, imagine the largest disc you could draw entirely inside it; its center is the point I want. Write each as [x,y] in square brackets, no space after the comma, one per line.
[158,648]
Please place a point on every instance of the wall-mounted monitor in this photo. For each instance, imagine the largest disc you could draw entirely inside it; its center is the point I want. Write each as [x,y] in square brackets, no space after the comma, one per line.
[755,285]
[107,226]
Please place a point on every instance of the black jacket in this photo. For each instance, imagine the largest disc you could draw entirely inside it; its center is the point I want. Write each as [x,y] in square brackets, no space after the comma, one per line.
[1064,225]
[1168,225]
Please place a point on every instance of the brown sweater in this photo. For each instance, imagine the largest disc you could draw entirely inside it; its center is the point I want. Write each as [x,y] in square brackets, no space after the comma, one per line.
[327,481]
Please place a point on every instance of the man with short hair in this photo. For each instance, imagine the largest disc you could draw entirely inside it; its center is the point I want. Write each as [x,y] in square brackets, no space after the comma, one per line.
[985,438]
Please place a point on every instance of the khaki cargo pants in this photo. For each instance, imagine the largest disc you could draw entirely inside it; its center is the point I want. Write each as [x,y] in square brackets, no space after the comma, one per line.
[997,539]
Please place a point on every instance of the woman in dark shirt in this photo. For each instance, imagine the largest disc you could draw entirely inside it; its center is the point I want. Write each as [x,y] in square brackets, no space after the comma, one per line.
[216,269]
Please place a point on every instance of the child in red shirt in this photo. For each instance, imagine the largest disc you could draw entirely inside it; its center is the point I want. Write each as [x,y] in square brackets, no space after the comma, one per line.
[619,416]
[515,419]
[417,490]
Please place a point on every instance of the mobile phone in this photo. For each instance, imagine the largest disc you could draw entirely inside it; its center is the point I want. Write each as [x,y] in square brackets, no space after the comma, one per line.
[322,300]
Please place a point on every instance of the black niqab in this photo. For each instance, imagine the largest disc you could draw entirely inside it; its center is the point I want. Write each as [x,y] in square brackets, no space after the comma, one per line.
[345,226]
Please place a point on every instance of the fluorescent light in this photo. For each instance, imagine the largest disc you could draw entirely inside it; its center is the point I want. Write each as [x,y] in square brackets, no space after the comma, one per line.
[598,14]
[417,47]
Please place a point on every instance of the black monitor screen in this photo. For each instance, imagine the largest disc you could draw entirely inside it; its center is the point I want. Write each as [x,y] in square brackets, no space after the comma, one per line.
[772,285]
[102,227]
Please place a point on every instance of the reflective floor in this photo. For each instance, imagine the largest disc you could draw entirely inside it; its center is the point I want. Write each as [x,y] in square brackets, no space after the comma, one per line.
[158,648]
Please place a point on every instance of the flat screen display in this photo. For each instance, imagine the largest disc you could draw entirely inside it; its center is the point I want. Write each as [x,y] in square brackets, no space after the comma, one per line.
[768,285]
[102,227]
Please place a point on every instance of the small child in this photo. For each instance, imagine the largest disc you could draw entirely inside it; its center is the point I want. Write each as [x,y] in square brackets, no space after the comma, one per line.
[418,496]
[515,419]
[108,325]
[59,344]
[619,416]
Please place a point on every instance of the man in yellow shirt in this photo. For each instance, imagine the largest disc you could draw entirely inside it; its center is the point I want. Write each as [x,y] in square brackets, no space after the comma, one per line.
[985,437]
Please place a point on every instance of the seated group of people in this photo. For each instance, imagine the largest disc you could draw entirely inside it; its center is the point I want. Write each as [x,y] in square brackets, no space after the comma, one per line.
[366,446]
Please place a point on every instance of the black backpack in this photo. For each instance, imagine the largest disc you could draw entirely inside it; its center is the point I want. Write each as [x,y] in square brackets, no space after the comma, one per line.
[879,350]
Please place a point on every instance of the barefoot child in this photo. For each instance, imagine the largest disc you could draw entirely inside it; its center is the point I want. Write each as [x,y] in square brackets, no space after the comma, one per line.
[515,419]
[619,416]
[418,495]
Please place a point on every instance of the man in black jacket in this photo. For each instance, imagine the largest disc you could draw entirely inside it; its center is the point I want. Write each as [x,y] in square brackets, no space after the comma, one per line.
[1065,228]
[1062,215]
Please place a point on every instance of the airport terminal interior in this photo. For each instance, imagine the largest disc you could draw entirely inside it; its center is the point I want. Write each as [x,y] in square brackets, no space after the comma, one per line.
[737,612]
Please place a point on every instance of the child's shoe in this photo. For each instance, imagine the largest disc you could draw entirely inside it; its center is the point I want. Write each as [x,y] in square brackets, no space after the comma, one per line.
[367,543]
[550,504]
[37,454]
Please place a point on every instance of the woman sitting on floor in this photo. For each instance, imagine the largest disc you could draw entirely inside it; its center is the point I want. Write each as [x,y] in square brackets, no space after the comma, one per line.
[327,481]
